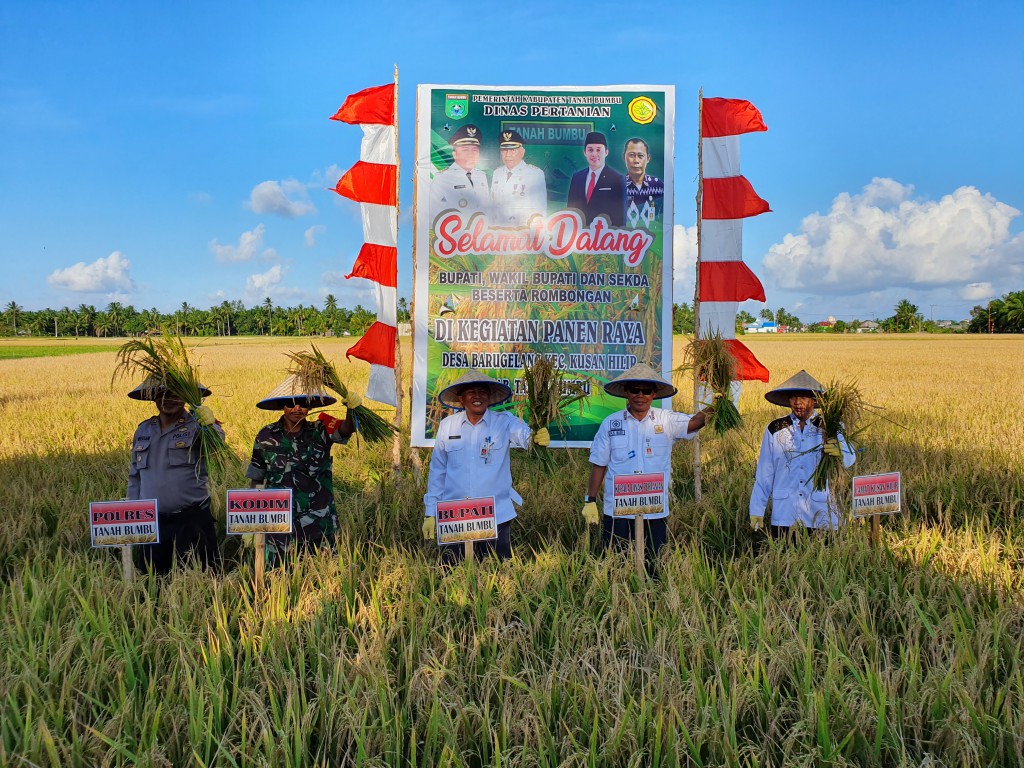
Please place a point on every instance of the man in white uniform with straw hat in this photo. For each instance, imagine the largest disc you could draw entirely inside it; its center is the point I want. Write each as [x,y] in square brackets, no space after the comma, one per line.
[637,442]
[471,459]
[168,465]
[790,451]
[295,453]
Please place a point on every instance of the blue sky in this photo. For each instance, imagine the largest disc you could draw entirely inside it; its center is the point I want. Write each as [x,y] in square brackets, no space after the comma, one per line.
[154,153]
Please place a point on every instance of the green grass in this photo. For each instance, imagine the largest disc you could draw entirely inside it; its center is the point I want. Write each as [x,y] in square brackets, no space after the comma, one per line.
[57,349]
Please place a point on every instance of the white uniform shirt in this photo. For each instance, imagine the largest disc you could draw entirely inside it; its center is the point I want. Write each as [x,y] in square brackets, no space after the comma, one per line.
[785,469]
[471,461]
[517,195]
[630,447]
[451,189]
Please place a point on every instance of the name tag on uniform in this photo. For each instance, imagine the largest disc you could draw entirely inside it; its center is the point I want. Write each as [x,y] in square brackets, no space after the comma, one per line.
[616,432]
[460,186]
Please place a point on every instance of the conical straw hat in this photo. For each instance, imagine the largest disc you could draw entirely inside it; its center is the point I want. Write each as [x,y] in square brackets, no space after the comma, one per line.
[641,373]
[288,392]
[799,385]
[450,395]
[152,388]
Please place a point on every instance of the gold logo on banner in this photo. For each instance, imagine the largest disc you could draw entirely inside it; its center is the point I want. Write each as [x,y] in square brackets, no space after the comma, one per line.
[642,110]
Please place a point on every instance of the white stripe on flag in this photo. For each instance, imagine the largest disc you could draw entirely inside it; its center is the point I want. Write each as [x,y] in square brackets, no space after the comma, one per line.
[718,317]
[720,157]
[378,144]
[721,240]
[387,309]
[382,384]
[380,224]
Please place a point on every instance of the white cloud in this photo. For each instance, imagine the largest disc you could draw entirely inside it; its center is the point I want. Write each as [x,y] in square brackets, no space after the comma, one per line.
[286,198]
[684,261]
[312,233]
[264,283]
[883,238]
[103,275]
[977,291]
[249,244]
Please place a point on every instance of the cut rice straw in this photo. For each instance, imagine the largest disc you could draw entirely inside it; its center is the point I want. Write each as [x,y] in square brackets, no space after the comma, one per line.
[713,365]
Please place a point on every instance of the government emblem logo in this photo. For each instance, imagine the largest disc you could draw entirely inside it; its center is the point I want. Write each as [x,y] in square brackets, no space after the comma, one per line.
[456,105]
[642,110]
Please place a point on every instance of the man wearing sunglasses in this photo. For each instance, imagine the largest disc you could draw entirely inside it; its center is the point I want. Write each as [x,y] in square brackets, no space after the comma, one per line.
[636,443]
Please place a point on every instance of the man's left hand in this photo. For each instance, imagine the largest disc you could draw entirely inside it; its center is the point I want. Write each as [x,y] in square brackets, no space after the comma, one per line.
[204,415]
[832,448]
[542,437]
[353,400]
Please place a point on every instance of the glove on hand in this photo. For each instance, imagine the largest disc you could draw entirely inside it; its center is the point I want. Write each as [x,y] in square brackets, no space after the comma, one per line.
[590,512]
[832,448]
[429,528]
[542,437]
[353,400]
[756,522]
[204,415]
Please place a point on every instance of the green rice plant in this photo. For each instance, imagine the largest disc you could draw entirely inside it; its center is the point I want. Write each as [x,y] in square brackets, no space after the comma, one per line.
[709,360]
[841,407]
[550,394]
[166,365]
[315,372]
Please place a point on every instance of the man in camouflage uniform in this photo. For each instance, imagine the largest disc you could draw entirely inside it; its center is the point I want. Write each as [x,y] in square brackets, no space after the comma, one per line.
[296,453]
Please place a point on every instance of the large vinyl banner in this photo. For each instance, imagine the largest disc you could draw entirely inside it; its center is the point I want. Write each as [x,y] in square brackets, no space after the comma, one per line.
[543,227]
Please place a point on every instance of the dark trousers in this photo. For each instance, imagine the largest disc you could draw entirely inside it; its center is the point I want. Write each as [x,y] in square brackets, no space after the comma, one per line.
[501,547]
[189,533]
[619,534]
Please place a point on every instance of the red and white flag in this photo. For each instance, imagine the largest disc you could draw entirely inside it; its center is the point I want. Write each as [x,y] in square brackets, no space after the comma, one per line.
[372,182]
[727,199]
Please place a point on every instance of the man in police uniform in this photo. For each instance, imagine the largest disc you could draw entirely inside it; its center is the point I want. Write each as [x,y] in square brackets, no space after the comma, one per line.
[462,187]
[471,459]
[167,465]
[790,451]
[518,189]
[597,190]
[644,193]
[635,441]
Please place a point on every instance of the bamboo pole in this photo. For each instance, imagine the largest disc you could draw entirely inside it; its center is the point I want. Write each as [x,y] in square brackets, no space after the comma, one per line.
[396,440]
[414,453]
[697,489]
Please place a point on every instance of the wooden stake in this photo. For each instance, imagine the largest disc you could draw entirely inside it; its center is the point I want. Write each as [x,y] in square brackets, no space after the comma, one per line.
[638,532]
[876,531]
[414,453]
[468,549]
[259,543]
[127,565]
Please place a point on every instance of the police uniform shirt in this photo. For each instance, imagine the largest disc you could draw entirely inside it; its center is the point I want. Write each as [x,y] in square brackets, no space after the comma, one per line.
[453,189]
[627,446]
[471,461]
[517,194]
[785,467]
[643,203]
[166,464]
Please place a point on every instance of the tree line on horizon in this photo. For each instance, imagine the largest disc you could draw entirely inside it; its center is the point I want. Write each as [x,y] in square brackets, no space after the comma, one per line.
[229,318]
[232,318]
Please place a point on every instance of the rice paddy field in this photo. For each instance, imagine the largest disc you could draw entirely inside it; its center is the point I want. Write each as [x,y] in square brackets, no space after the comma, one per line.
[812,653]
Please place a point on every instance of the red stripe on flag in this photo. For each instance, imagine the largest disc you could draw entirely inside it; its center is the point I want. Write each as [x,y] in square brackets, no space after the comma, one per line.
[378,263]
[369,183]
[731,198]
[729,281]
[729,117]
[748,367]
[371,106]
[377,346]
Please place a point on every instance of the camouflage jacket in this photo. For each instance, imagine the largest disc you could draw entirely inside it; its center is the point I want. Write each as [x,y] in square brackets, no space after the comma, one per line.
[303,463]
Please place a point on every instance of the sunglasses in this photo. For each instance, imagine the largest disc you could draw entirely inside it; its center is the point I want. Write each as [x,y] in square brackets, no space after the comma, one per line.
[640,390]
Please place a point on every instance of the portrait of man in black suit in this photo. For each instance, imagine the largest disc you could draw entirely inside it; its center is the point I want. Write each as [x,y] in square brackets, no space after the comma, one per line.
[598,190]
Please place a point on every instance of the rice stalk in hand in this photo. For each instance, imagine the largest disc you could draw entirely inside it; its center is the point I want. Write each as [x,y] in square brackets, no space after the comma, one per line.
[712,363]
[840,408]
[550,393]
[165,363]
[316,373]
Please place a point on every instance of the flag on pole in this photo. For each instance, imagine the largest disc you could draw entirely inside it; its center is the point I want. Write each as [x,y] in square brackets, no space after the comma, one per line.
[372,182]
[727,199]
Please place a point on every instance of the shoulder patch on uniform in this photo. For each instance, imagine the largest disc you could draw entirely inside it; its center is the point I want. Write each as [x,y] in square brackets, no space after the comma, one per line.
[778,424]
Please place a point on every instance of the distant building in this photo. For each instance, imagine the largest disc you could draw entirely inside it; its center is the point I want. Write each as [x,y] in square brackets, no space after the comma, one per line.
[762,327]
[868,326]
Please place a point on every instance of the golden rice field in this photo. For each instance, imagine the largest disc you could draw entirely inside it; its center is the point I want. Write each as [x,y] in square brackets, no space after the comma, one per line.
[811,654]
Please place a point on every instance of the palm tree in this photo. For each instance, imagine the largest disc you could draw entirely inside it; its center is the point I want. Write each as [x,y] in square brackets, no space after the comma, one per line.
[269,306]
[1012,312]
[86,316]
[12,310]
[905,316]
